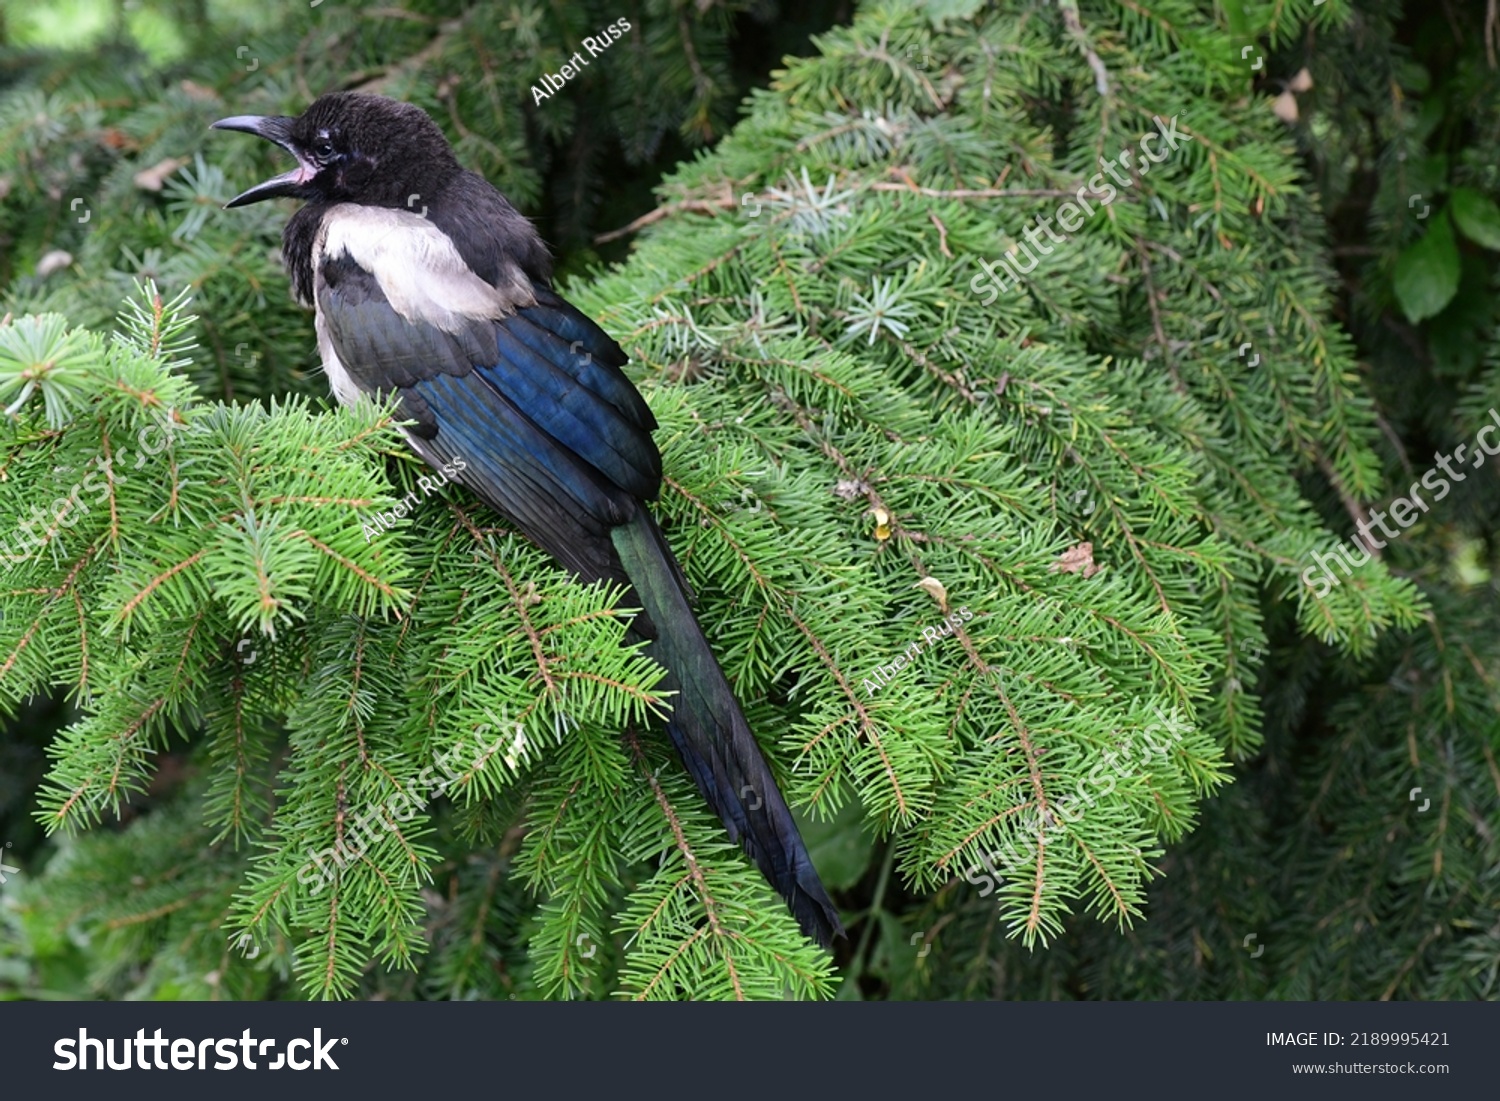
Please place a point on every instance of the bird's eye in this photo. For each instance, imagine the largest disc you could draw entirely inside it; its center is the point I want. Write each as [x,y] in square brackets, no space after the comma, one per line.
[323,150]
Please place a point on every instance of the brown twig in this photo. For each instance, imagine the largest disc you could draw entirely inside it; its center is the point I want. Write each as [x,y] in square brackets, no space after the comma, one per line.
[1351,506]
[1075,28]
[942,234]
[694,206]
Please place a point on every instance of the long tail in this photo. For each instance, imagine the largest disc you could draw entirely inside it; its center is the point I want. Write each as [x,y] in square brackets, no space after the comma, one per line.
[712,736]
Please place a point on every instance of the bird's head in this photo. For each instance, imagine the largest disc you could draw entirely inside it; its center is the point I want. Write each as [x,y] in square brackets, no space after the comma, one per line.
[353,147]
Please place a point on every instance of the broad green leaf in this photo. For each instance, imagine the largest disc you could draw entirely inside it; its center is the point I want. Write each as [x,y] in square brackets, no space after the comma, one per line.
[1427,272]
[1477,216]
[841,849]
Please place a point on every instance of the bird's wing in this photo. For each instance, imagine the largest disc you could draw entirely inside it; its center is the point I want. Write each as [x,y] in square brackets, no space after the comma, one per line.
[516,382]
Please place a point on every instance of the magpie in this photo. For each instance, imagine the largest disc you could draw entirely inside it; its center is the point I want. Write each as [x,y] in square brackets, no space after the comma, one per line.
[428,286]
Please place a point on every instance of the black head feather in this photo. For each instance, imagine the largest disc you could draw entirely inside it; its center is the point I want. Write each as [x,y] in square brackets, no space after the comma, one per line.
[373,150]
[352,147]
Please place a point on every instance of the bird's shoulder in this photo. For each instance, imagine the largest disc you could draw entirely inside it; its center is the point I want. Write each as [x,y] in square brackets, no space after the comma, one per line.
[488,232]
[466,227]
[419,269]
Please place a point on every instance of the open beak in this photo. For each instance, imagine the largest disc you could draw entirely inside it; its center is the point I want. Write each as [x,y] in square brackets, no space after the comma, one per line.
[276,128]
